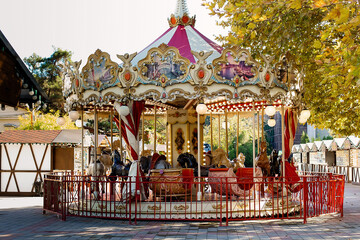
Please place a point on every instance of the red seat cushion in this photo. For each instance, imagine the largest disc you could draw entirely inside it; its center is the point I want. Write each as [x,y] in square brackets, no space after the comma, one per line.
[245,178]
[188,176]
[218,169]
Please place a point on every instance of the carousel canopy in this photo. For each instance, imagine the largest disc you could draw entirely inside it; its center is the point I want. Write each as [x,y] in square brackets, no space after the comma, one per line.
[179,69]
[183,35]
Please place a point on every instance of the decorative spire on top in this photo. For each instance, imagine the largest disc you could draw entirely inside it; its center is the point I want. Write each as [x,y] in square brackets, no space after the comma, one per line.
[181,16]
[181,8]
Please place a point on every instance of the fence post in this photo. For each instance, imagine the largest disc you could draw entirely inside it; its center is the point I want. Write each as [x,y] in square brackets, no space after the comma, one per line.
[63,202]
[45,195]
[227,202]
[305,198]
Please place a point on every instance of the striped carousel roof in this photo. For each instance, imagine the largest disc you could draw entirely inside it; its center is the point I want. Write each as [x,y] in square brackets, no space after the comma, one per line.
[184,36]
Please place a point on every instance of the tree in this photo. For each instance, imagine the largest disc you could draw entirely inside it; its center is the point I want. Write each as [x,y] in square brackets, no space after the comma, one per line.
[47,73]
[245,143]
[304,138]
[38,121]
[322,35]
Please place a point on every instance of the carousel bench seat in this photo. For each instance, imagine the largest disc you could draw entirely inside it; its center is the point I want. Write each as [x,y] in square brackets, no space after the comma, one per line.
[171,182]
[239,184]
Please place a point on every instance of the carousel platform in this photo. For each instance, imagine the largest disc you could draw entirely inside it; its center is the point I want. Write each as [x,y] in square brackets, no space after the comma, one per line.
[203,209]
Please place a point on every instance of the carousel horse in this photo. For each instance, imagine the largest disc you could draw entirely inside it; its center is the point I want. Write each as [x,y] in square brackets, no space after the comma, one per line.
[220,159]
[96,170]
[119,168]
[159,162]
[262,161]
[187,160]
[106,159]
[238,162]
[145,163]
[156,161]
[274,163]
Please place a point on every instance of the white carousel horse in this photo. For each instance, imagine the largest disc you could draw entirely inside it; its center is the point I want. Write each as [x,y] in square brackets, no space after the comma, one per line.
[97,172]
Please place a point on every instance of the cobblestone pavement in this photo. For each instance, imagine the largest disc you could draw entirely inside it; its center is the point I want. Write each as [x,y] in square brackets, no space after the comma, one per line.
[22,218]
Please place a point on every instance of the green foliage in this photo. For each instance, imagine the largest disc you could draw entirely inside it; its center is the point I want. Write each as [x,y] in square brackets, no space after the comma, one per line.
[38,121]
[244,147]
[304,138]
[103,125]
[328,138]
[324,38]
[245,144]
[47,73]
[149,128]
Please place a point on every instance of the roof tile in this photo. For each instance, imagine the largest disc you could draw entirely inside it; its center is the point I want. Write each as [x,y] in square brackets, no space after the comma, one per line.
[28,136]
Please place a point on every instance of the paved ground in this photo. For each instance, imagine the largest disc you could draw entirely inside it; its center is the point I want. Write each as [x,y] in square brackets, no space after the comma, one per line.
[21,218]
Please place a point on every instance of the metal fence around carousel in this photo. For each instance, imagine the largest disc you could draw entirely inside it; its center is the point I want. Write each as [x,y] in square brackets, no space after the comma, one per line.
[175,198]
[351,174]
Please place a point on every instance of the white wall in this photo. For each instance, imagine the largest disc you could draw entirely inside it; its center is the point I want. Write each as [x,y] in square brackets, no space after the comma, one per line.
[25,161]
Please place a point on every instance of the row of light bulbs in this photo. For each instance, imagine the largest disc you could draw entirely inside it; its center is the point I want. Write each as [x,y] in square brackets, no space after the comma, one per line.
[200,109]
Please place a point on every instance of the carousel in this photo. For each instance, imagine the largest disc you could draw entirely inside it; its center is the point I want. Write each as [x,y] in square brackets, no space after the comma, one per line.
[185,78]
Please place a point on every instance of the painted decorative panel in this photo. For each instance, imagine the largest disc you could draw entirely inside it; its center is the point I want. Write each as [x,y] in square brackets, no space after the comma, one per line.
[342,158]
[163,66]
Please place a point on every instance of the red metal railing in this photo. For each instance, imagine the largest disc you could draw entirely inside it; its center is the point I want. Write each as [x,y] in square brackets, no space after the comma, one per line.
[177,198]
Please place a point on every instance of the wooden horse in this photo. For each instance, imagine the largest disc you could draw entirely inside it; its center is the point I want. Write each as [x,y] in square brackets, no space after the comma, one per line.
[96,170]
[262,161]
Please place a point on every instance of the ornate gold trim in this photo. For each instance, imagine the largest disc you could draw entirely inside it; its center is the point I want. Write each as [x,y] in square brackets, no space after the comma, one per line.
[181,207]
[185,20]
[100,60]
[218,206]
[120,207]
[156,208]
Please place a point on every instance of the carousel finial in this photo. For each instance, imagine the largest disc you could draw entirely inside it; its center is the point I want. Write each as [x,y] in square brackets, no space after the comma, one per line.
[181,8]
[181,15]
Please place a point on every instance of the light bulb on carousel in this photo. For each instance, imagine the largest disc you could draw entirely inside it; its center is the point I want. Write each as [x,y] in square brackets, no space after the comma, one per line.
[60,121]
[124,110]
[74,115]
[201,108]
[271,122]
[305,114]
[78,123]
[270,110]
[302,120]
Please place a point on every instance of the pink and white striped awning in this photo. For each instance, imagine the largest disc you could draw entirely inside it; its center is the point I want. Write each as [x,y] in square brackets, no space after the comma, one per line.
[183,35]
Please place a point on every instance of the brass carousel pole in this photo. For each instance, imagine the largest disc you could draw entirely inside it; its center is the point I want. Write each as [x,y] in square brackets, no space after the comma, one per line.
[254,118]
[154,128]
[219,125]
[167,139]
[237,134]
[262,123]
[258,133]
[226,133]
[95,136]
[111,131]
[199,194]
[283,138]
[82,140]
[211,133]
[142,131]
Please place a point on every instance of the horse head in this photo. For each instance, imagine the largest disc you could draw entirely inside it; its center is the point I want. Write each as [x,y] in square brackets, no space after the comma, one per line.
[274,168]
[145,164]
[119,168]
[187,160]
[117,158]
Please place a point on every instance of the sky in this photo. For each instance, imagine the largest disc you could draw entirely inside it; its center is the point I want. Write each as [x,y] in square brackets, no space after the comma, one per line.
[82,26]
